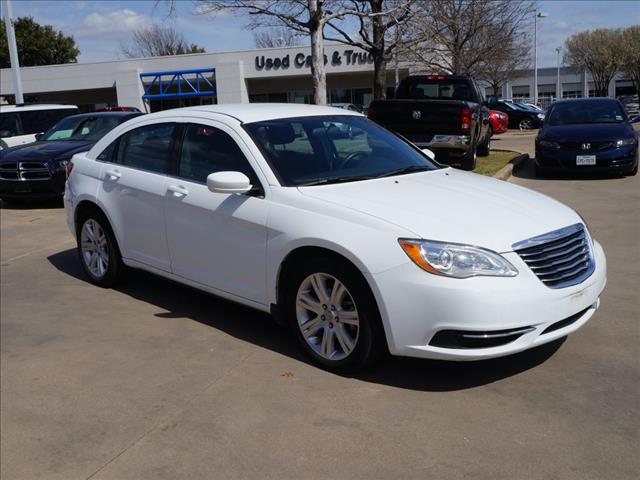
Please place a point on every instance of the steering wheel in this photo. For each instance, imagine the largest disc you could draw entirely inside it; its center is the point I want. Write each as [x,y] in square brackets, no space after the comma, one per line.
[350,158]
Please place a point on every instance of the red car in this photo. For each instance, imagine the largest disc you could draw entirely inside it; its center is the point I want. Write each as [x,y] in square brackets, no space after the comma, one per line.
[499,122]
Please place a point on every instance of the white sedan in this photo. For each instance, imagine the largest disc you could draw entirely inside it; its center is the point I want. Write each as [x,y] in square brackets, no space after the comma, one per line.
[361,244]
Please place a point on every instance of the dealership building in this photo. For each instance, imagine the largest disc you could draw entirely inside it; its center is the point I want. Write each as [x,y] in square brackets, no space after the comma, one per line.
[263,75]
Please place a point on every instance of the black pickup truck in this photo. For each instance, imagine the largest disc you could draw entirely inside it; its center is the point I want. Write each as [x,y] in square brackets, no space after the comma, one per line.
[445,113]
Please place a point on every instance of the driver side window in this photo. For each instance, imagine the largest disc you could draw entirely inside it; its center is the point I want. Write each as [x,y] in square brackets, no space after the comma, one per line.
[207,150]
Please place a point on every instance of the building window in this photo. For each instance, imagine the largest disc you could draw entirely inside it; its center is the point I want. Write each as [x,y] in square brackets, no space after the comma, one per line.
[362,97]
[340,95]
[268,98]
[520,92]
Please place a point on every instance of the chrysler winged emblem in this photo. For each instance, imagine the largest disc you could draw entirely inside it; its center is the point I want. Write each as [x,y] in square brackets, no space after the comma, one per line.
[586,146]
[417,114]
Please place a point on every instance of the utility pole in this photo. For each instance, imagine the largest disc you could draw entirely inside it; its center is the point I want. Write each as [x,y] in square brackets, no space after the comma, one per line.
[535,53]
[558,50]
[13,52]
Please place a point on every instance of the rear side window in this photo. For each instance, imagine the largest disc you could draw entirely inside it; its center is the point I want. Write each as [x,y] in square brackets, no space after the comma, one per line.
[10,125]
[147,148]
[36,121]
[207,150]
[436,88]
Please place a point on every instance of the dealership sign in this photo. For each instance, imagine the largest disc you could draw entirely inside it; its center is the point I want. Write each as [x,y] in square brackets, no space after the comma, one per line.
[302,60]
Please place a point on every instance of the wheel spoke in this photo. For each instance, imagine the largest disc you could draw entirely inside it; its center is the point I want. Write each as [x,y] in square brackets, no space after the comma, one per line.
[337,293]
[349,317]
[319,286]
[326,347]
[93,262]
[88,228]
[310,328]
[308,303]
[345,341]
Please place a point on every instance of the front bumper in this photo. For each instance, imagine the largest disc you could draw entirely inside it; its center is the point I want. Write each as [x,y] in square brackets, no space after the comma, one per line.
[616,159]
[416,305]
[52,187]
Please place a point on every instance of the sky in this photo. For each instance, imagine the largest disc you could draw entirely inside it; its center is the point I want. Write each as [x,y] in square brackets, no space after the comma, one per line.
[100,27]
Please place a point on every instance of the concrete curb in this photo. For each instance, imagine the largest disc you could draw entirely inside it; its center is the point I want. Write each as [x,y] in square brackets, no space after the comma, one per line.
[505,172]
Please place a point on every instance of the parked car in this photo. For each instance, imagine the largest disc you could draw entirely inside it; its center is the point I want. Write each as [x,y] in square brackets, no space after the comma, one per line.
[499,122]
[19,124]
[38,169]
[532,106]
[445,113]
[587,134]
[259,205]
[117,109]
[347,106]
[519,116]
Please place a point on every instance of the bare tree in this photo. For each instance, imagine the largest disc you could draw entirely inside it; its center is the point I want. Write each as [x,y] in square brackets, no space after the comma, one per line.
[598,52]
[465,35]
[505,64]
[158,41]
[630,54]
[275,37]
[380,33]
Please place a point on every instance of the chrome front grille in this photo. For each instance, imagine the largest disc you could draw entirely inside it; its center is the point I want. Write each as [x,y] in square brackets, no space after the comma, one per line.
[23,171]
[560,258]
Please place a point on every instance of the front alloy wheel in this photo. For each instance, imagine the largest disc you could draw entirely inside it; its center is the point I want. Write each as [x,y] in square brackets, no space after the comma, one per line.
[94,248]
[525,124]
[327,316]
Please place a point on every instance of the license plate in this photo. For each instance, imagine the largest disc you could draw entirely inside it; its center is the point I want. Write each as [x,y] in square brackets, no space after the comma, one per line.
[22,189]
[585,160]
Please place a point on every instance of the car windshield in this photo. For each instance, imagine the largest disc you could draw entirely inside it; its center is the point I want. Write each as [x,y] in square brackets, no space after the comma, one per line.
[81,128]
[580,112]
[435,88]
[334,149]
[517,106]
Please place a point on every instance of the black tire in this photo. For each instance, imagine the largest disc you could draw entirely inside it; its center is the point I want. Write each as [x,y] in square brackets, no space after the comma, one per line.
[370,343]
[633,171]
[469,160]
[484,149]
[115,268]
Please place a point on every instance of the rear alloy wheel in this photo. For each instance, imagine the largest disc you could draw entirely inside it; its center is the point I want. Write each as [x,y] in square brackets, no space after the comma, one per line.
[333,314]
[97,249]
[525,124]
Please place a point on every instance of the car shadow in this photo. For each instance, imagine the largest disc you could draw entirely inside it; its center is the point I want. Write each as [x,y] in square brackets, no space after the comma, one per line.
[181,301]
[527,171]
[44,204]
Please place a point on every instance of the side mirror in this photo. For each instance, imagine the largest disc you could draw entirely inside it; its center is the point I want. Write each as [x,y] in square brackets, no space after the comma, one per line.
[39,136]
[429,153]
[228,182]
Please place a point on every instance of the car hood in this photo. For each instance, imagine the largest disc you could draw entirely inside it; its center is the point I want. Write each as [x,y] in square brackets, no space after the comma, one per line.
[596,132]
[44,150]
[453,206]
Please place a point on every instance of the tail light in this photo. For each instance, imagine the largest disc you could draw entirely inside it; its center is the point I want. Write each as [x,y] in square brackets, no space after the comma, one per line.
[371,113]
[465,118]
[69,168]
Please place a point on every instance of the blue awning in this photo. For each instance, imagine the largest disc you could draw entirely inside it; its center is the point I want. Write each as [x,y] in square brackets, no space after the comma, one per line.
[188,83]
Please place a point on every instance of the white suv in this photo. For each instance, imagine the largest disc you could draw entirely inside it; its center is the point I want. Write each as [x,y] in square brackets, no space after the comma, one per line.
[19,124]
[360,243]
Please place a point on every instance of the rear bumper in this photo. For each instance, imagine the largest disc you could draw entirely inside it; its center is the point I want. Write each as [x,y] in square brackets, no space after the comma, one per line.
[448,148]
[416,307]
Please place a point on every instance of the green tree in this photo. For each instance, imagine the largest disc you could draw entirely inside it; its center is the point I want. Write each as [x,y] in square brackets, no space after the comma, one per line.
[630,54]
[598,52]
[37,44]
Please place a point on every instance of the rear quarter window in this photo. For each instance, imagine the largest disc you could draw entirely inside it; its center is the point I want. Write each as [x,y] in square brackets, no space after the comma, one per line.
[36,121]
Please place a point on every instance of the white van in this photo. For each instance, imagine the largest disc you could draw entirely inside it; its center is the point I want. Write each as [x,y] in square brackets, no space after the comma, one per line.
[19,124]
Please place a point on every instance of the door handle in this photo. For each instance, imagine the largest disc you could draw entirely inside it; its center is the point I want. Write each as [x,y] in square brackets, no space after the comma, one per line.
[178,191]
[113,174]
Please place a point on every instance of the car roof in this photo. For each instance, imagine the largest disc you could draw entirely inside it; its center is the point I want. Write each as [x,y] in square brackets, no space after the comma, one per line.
[106,114]
[39,106]
[256,112]
[590,99]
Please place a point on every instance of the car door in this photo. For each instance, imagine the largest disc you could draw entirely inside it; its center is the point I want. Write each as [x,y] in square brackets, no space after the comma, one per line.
[133,188]
[216,239]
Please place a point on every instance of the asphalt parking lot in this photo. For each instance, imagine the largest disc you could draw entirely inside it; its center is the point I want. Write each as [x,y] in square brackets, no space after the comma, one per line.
[155,380]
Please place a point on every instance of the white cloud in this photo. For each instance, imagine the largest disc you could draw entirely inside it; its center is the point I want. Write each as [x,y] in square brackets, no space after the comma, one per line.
[117,21]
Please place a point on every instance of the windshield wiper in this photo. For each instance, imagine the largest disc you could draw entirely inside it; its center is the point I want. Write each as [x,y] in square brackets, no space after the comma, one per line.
[403,170]
[330,180]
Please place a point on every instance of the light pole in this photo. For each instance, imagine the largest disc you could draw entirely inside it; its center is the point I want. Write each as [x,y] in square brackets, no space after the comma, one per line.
[535,53]
[13,52]
[558,50]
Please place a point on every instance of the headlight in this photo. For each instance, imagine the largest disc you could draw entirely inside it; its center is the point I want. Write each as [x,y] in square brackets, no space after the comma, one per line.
[548,144]
[456,260]
[62,164]
[541,116]
[625,141]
